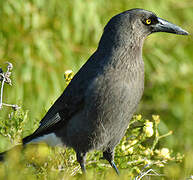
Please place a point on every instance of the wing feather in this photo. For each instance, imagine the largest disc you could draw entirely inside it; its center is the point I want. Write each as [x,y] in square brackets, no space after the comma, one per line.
[69,103]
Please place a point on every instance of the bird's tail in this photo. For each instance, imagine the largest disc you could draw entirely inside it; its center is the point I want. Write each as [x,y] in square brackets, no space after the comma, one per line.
[27,139]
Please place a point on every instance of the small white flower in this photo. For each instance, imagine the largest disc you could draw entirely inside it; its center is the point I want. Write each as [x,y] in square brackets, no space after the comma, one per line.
[165,153]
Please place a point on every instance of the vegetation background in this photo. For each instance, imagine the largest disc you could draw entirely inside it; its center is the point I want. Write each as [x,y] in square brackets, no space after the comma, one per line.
[44,38]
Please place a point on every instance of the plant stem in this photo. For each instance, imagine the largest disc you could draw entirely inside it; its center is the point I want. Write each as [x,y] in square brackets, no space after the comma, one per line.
[1,97]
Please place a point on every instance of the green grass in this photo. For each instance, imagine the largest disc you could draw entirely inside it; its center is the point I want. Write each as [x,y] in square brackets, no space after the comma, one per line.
[138,152]
[44,38]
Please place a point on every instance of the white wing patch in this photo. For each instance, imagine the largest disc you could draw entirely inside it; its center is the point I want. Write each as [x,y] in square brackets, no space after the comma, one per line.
[50,139]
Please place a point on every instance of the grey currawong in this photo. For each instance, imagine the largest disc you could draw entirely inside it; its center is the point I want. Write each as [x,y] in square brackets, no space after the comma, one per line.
[94,111]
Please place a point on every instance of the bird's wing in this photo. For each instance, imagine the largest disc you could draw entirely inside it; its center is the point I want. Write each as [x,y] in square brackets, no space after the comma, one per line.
[62,110]
[68,104]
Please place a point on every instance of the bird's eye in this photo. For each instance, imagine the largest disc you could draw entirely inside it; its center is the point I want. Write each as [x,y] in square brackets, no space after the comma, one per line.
[148,21]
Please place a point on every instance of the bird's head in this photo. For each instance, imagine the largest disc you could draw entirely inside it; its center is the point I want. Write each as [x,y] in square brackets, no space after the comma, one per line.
[147,22]
[138,23]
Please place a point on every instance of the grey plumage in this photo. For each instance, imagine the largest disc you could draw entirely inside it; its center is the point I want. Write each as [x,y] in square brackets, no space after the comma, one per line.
[94,110]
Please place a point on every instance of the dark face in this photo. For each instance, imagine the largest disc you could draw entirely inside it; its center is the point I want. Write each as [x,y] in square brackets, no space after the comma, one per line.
[147,22]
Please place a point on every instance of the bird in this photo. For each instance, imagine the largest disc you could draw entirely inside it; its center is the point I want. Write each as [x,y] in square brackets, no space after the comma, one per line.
[94,110]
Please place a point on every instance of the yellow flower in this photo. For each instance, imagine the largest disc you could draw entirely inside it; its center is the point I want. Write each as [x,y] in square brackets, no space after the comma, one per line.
[68,75]
[156,118]
[160,164]
[137,169]
[133,142]
[123,147]
[148,123]
[165,153]
[138,117]
[130,150]
[147,162]
[147,151]
[148,128]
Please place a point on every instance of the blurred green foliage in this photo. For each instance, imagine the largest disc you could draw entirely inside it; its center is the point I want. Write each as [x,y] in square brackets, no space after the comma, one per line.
[138,154]
[44,38]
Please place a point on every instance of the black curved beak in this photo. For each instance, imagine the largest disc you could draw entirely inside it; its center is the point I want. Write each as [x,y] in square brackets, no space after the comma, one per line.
[165,26]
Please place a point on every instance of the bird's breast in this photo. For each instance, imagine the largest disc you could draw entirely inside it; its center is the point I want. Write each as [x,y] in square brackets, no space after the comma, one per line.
[109,103]
[115,96]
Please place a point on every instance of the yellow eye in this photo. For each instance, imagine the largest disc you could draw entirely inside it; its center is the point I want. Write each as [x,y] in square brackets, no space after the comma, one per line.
[148,21]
